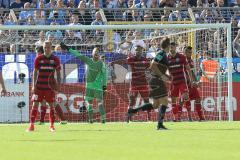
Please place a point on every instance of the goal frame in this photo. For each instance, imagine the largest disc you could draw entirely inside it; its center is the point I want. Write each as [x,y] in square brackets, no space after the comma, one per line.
[227,26]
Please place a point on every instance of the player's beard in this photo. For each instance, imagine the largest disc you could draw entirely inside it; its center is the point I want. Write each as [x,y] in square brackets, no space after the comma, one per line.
[95,58]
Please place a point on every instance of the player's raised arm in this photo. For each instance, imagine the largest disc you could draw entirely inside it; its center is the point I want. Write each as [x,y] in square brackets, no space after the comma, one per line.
[76,53]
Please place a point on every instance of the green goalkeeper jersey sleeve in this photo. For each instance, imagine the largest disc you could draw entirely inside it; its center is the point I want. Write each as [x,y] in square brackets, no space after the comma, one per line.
[83,58]
[105,74]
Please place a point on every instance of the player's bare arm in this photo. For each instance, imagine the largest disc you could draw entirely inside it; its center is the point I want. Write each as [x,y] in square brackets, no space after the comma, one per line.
[119,61]
[2,83]
[192,77]
[35,74]
[58,79]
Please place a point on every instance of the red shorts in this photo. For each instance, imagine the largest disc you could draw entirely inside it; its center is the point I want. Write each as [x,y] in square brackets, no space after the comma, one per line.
[40,95]
[179,89]
[143,90]
[193,93]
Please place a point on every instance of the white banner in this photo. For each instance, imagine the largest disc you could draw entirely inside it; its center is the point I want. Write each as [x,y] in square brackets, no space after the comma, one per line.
[12,108]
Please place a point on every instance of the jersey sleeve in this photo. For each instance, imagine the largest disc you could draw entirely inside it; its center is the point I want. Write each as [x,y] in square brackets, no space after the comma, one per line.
[36,63]
[146,63]
[129,60]
[158,58]
[83,58]
[58,64]
[185,62]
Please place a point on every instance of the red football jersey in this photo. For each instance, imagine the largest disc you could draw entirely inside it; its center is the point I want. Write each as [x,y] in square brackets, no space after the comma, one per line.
[46,67]
[177,65]
[138,68]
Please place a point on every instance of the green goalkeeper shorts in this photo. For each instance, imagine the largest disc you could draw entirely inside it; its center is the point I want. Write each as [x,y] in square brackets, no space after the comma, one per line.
[93,93]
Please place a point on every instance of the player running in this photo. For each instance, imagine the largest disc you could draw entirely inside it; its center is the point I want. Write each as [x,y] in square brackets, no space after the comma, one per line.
[157,83]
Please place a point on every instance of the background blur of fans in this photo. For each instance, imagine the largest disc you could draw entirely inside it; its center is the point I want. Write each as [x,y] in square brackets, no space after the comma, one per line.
[102,12]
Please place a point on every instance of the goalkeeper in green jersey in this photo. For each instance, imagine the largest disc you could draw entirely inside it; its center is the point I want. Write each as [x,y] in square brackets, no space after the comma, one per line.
[96,80]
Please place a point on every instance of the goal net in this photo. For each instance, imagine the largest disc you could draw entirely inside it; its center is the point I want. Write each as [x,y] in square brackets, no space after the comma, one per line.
[18,43]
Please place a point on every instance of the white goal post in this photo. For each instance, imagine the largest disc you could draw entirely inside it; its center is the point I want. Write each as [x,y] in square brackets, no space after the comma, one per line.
[194,27]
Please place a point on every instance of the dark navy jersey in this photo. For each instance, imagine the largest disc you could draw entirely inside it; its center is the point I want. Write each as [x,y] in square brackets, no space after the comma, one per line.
[161,59]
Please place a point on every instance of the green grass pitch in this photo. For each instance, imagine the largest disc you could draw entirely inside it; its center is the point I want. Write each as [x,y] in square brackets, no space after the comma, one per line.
[122,141]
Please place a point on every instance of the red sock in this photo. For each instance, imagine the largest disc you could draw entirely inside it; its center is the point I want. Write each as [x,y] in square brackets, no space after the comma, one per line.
[59,112]
[51,116]
[188,106]
[43,113]
[33,115]
[179,112]
[175,111]
[199,111]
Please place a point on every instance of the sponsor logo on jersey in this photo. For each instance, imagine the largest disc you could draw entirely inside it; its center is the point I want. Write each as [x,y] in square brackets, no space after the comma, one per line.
[46,67]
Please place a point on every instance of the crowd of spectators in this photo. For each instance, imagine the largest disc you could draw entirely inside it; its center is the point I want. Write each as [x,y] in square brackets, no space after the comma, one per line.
[99,12]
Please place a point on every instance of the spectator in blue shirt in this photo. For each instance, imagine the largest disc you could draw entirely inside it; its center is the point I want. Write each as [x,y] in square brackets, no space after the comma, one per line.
[23,15]
[16,4]
[57,33]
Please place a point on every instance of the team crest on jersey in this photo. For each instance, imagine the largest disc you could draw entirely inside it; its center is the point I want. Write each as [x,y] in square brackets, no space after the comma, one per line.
[52,61]
[177,59]
[42,61]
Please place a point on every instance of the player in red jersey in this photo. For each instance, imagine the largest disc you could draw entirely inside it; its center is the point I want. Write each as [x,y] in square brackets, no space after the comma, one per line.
[178,67]
[157,84]
[44,84]
[138,85]
[193,89]
[43,108]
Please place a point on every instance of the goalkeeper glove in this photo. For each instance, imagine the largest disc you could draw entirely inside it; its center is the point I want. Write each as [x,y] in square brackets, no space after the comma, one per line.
[104,88]
[64,46]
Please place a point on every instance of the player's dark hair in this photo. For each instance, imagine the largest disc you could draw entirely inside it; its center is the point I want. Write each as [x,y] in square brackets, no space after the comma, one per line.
[165,43]
[187,48]
[173,43]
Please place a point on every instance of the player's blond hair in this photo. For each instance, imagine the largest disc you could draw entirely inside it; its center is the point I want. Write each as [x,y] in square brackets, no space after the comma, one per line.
[56,47]
[46,42]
